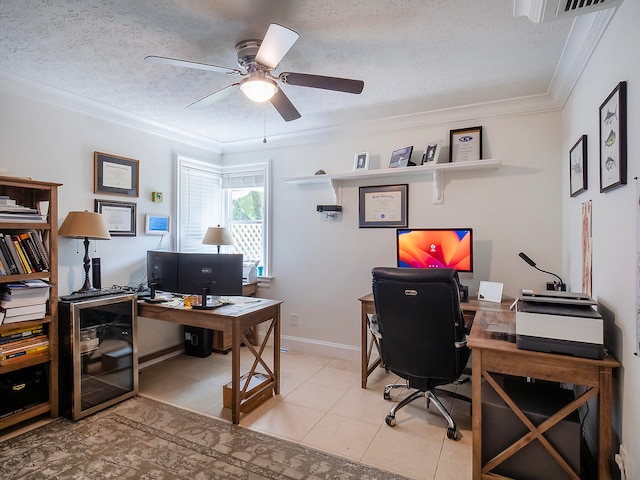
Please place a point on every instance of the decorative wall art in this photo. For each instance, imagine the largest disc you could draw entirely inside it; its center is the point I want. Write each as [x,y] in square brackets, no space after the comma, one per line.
[578,167]
[116,175]
[613,139]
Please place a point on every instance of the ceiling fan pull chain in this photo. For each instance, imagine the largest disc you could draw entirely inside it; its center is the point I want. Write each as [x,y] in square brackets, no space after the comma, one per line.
[264,140]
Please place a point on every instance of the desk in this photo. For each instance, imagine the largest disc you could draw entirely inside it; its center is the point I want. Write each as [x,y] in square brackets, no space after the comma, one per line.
[492,355]
[370,349]
[236,318]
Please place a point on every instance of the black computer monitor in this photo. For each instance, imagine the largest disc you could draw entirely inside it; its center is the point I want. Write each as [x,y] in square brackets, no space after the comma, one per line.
[217,273]
[162,270]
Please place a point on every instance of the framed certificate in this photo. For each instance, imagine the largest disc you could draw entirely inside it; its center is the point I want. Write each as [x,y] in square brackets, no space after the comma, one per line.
[384,206]
[116,175]
[466,144]
[120,217]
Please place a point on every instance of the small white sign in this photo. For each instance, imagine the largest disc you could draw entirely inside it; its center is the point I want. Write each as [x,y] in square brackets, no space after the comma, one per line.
[490,291]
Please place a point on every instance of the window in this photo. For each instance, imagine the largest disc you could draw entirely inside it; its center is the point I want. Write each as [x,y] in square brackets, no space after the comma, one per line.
[236,197]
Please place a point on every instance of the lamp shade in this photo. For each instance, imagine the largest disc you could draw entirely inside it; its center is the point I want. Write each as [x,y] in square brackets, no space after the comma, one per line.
[258,89]
[84,225]
[217,236]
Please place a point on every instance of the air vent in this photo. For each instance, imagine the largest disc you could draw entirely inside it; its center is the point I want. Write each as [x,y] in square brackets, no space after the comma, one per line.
[542,11]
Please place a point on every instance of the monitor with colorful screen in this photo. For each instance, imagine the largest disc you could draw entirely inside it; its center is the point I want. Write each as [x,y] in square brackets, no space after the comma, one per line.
[435,248]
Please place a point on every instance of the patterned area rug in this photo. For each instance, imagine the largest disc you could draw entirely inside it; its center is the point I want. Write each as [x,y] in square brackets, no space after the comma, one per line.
[144,439]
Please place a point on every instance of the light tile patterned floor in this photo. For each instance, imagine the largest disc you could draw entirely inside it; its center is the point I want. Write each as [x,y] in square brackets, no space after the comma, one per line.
[322,405]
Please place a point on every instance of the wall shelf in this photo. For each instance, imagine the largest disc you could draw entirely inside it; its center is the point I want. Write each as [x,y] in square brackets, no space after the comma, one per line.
[437,170]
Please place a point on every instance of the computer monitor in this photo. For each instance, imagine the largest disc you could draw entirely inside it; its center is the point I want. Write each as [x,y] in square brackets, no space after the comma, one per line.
[435,248]
[162,270]
[217,273]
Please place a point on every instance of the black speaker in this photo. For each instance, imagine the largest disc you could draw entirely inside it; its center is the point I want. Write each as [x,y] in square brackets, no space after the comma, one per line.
[95,273]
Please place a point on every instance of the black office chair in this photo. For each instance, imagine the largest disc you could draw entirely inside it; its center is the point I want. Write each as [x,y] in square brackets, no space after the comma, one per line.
[420,328]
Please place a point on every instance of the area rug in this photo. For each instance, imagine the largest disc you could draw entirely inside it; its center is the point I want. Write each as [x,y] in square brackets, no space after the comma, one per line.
[144,439]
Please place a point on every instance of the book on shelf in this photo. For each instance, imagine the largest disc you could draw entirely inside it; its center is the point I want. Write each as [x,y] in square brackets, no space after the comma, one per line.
[26,309]
[7,202]
[27,292]
[24,344]
[6,245]
[23,355]
[20,333]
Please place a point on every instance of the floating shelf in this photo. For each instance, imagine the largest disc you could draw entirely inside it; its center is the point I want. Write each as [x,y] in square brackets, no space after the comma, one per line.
[437,170]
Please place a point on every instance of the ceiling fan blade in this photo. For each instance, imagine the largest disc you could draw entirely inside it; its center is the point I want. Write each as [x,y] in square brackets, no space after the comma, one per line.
[284,106]
[214,97]
[275,45]
[318,81]
[186,64]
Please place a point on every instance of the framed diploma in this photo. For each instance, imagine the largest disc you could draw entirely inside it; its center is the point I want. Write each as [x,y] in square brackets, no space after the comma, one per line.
[384,206]
[116,175]
[120,217]
[465,144]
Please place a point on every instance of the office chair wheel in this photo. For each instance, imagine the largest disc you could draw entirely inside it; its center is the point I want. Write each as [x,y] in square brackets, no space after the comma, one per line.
[453,434]
[390,420]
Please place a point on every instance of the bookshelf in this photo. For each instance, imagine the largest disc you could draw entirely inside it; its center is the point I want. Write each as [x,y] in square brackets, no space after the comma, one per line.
[30,193]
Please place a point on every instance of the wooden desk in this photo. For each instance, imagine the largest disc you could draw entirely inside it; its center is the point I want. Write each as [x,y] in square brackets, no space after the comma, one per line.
[370,350]
[492,355]
[236,318]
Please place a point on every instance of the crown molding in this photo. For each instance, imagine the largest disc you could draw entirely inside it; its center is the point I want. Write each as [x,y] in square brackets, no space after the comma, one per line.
[15,85]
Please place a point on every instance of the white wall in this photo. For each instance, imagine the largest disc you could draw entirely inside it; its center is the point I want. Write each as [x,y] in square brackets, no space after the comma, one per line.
[321,268]
[614,213]
[46,142]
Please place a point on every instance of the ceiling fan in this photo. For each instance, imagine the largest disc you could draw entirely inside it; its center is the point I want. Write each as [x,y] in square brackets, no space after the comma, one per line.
[259,58]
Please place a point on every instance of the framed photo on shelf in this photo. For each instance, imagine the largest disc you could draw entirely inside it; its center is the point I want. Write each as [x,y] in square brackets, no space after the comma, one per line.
[578,167]
[361,161]
[116,175]
[613,139]
[431,153]
[384,206]
[465,144]
[401,157]
[120,217]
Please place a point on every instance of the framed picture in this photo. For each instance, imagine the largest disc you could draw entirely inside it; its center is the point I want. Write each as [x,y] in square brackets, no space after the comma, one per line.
[578,167]
[431,153]
[120,217]
[401,157]
[613,139]
[465,144]
[361,161]
[116,175]
[384,206]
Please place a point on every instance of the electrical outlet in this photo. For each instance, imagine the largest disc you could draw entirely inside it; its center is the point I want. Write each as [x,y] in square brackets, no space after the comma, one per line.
[294,319]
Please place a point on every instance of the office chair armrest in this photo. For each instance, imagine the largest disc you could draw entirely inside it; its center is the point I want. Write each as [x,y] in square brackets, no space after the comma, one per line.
[462,343]
[374,326]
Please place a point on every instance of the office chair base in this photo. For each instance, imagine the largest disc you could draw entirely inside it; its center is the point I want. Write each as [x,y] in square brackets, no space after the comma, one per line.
[390,419]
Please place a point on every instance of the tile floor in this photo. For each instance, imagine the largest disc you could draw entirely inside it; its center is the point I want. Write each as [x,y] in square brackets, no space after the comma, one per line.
[322,405]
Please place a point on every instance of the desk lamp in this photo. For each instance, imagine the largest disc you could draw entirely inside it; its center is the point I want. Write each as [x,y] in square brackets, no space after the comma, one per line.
[86,225]
[559,285]
[217,236]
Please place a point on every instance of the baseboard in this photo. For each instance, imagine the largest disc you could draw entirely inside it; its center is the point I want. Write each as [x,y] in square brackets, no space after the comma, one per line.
[160,355]
[317,347]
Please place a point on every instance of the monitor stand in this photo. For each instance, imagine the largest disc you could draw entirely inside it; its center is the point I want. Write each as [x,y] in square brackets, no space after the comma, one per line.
[204,305]
[464,293]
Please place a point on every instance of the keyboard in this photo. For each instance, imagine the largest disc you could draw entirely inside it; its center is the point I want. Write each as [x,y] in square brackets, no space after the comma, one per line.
[75,296]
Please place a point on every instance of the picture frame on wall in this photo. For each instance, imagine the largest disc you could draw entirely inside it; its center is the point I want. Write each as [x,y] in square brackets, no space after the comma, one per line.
[116,175]
[361,161]
[120,217]
[384,206]
[465,144]
[578,167]
[613,139]
[432,153]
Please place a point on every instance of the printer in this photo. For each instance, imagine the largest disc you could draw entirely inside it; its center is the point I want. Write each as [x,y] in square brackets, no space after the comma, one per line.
[249,273]
[559,322]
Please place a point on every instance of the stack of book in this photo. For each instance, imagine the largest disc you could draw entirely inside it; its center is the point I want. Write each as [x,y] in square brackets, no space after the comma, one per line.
[10,211]
[20,344]
[20,301]
[23,253]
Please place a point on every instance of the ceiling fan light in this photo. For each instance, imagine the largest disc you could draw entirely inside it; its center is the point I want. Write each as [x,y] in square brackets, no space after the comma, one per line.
[258,89]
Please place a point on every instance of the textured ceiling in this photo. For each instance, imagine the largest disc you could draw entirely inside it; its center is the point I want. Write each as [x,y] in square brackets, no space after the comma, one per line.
[413,55]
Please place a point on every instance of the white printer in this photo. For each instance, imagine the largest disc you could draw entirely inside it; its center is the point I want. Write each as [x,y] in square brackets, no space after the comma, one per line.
[249,273]
[559,322]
